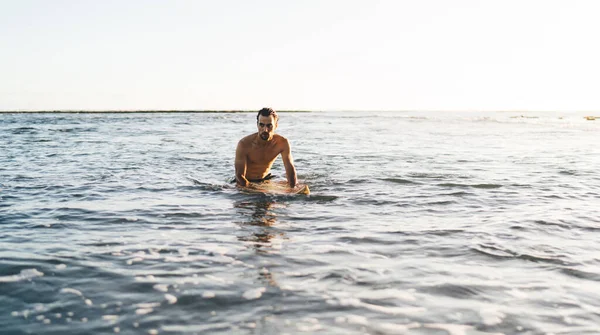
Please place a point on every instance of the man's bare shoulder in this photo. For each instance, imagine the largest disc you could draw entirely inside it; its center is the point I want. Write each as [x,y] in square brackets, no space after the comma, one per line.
[281,143]
[247,140]
[280,139]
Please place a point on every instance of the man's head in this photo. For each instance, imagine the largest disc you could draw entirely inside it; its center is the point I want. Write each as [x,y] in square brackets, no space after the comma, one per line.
[266,121]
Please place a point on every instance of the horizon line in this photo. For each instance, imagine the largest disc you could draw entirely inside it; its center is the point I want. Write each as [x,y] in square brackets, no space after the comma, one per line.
[285,111]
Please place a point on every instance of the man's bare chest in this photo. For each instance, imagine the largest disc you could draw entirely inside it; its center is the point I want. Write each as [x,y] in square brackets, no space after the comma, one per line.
[262,156]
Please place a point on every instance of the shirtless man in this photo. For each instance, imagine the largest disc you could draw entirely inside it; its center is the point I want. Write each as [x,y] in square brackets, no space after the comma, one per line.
[256,153]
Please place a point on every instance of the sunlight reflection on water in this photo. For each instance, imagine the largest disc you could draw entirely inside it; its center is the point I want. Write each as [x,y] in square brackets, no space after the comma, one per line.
[418,223]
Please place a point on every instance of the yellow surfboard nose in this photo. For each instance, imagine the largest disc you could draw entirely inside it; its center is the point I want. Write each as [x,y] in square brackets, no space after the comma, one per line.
[305,190]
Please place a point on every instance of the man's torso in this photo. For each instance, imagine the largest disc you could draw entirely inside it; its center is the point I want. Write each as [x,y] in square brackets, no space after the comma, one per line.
[260,156]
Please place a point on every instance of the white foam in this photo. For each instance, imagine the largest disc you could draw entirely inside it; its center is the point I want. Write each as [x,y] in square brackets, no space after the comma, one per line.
[357,320]
[287,288]
[518,293]
[394,328]
[149,278]
[450,328]
[109,317]
[215,248]
[491,317]
[392,310]
[88,302]
[254,293]
[23,275]
[171,299]
[72,291]
[370,255]
[218,279]
[153,332]
[161,287]
[61,266]
[183,252]
[387,294]
[454,329]
[308,328]
[194,328]
[208,295]
[143,311]
[133,260]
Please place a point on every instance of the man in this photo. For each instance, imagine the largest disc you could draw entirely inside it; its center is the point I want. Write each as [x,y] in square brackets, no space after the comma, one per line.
[256,153]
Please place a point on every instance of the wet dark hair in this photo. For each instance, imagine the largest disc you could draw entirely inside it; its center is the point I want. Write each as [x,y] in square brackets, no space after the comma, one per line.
[266,112]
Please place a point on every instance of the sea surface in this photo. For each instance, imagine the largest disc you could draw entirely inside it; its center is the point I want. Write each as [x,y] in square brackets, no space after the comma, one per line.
[463,223]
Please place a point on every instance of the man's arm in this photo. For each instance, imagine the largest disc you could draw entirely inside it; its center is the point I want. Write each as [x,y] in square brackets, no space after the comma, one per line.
[240,165]
[288,162]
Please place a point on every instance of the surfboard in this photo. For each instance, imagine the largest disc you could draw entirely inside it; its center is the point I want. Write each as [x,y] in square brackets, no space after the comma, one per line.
[278,187]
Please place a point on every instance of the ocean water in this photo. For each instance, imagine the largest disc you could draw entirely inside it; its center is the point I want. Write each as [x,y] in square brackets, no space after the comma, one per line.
[418,223]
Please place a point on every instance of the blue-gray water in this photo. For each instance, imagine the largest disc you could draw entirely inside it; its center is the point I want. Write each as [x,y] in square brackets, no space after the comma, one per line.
[418,223]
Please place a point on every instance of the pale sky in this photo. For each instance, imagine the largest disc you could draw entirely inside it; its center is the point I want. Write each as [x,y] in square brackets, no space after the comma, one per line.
[303,54]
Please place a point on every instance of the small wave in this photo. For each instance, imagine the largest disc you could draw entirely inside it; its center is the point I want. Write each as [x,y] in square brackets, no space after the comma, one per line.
[458,194]
[521,185]
[428,176]
[442,203]
[371,240]
[580,274]
[197,328]
[320,198]
[542,259]
[390,310]
[497,252]
[24,275]
[24,130]
[443,232]
[207,186]
[356,181]
[493,251]
[377,202]
[482,186]
[549,223]
[399,181]
[72,130]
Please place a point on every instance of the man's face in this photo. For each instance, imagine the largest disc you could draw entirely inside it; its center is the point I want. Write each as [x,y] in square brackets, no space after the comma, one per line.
[266,127]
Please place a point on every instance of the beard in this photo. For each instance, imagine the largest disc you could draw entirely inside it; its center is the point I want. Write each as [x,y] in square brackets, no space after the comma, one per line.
[265,136]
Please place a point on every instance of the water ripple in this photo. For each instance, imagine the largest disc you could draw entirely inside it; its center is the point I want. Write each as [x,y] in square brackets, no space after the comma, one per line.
[115,223]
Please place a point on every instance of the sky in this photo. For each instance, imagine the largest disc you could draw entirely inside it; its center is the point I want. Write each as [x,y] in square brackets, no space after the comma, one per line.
[300,55]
